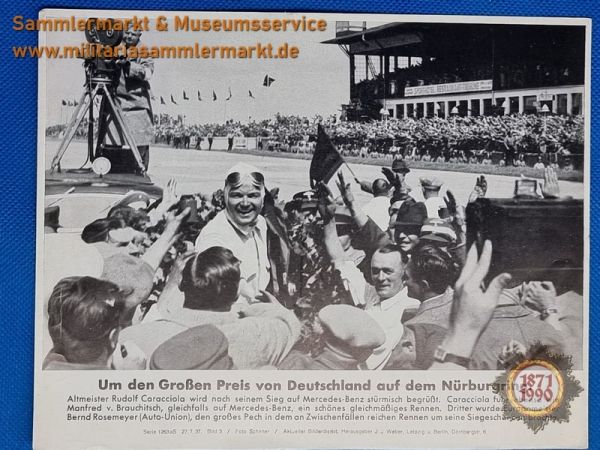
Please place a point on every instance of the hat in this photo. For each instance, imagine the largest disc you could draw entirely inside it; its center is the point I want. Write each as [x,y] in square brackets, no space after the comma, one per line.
[438,230]
[134,197]
[411,214]
[306,199]
[200,348]
[350,329]
[133,276]
[432,184]
[400,166]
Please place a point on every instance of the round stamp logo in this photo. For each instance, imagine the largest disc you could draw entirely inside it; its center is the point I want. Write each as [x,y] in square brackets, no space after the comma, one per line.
[535,388]
[538,388]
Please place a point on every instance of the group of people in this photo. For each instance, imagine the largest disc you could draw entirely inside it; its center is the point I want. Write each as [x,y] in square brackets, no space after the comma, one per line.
[246,280]
[517,140]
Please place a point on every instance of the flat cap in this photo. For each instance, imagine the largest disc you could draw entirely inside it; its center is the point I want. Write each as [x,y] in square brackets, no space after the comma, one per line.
[199,348]
[438,230]
[433,184]
[350,329]
[306,199]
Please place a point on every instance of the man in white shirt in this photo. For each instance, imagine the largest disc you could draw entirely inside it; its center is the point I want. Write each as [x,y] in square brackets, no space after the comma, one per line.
[433,201]
[378,208]
[385,301]
[241,228]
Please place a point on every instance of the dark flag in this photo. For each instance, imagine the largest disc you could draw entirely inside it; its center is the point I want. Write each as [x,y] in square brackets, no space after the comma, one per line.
[162,100]
[214,96]
[64,102]
[229,98]
[173,100]
[199,97]
[185,97]
[75,103]
[326,160]
[268,81]
[250,94]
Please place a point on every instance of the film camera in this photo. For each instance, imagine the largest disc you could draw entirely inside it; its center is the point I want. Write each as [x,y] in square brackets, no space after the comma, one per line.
[102,80]
[534,239]
[103,32]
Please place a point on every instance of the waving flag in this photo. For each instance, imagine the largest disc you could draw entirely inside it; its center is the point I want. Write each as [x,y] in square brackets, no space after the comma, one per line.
[229,98]
[64,102]
[185,97]
[250,94]
[162,100]
[268,81]
[214,96]
[326,159]
[173,100]
[199,97]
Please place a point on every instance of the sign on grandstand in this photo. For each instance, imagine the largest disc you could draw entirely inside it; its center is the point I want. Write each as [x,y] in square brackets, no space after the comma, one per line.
[449,88]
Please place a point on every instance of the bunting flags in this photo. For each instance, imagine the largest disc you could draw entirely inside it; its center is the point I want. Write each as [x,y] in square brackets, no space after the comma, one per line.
[185,97]
[214,96]
[199,97]
[173,100]
[229,98]
[250,94]
[326,159]
[268,81]
[162,100]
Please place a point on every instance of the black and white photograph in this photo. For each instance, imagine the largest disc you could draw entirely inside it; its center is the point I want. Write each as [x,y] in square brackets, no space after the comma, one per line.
[356,195]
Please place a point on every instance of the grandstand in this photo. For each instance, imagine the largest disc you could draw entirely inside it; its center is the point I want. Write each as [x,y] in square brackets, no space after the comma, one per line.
[421,70]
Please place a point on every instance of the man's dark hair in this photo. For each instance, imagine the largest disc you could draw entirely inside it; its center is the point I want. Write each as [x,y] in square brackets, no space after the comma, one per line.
[380,187]
[389,248]
[210,280]
[97,231]
[434,265]
[136,219]
[82,311]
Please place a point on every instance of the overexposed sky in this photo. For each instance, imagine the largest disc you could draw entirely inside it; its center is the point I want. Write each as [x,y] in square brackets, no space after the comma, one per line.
[317,82]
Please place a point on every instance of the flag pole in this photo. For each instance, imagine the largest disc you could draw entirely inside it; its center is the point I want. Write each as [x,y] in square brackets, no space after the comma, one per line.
[351,171]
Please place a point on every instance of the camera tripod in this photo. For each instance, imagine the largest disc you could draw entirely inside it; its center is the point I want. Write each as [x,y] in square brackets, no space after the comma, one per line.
[99,85]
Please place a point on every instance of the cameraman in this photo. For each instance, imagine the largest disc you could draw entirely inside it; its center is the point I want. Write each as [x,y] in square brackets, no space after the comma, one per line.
[133,96]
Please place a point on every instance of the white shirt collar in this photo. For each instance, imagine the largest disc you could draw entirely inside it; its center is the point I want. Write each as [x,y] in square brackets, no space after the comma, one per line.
[393,301]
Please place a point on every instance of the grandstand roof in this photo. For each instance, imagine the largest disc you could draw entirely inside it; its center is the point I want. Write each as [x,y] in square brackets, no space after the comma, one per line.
[464,39]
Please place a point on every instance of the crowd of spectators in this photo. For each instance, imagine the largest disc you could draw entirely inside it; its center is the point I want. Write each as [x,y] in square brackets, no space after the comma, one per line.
[516,139]
[244,279]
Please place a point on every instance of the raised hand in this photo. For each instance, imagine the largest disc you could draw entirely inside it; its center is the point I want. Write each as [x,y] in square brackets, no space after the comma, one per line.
[550,188]
[326,202]
[473,306]
[345,190]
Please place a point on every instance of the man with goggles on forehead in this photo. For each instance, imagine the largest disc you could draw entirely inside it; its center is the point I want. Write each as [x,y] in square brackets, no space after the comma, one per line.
[241,228]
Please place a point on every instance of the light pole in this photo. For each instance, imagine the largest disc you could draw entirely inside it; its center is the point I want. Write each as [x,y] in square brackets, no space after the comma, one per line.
[384,114]
[545,111]
[454,113]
